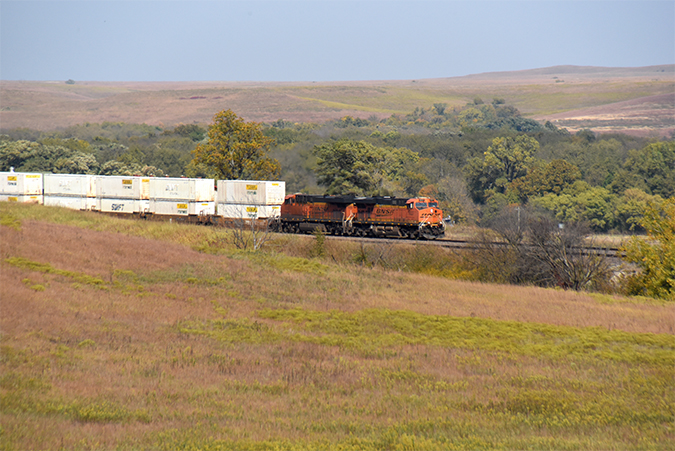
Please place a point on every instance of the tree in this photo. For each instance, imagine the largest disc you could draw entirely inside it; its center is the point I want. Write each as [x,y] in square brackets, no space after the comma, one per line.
[651,169]
[593,205]
[655,256]
[540,180]
[562,252]
[236,150]
[505,160]
[440,108]
[630,209]
[347,166]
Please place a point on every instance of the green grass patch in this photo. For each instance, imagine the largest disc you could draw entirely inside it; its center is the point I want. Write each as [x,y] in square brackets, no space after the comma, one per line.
[9,220]
[371,331]
[30,265]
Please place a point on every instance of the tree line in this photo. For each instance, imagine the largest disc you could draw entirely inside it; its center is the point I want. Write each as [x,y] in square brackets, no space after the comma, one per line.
[477,160]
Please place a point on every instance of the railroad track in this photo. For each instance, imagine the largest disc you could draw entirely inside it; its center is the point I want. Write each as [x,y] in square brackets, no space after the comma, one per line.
[450,243]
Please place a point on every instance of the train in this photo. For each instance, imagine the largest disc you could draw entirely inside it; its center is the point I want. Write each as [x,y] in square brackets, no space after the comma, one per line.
[222,202]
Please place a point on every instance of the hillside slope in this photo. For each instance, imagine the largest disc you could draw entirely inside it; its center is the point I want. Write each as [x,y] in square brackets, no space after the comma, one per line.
[119,334]
[538,93]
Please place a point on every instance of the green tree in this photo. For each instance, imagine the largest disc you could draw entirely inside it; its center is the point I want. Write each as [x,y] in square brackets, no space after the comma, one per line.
[630,208]
[656,255]
[540,180]
[236,149]
[505,160]
[440,108]
[192,131]
[593,205]
[651,169]
[348,166]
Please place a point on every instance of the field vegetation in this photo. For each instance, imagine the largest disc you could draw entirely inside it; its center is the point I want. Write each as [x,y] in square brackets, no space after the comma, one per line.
[121,334]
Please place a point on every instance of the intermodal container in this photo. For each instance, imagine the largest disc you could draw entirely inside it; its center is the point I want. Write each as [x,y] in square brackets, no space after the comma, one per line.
[72,202]
[183,189]
[122,187]
[79,185]
[181,207]
[251,192]
[21,183]
[25,198]
[121,205]
[241,211]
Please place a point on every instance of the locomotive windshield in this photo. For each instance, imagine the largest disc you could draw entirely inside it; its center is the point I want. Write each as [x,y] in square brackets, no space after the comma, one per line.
[420,205]
[433,204]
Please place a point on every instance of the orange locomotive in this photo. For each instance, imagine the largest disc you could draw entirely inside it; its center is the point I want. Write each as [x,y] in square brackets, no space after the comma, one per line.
[362,216]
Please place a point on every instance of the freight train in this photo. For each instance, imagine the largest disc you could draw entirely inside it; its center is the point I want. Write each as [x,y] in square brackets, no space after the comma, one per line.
[209,202]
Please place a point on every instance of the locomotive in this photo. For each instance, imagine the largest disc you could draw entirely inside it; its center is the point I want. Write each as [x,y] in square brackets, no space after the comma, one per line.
[413,218]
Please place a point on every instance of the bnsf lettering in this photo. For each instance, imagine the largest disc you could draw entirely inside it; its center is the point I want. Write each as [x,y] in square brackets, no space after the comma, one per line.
[384,211]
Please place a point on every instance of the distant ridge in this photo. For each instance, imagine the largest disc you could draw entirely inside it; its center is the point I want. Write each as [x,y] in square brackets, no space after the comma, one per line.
[663,70]
[540,93]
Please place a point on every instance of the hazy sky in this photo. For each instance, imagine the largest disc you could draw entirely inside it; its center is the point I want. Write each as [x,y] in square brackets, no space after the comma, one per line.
[322,40]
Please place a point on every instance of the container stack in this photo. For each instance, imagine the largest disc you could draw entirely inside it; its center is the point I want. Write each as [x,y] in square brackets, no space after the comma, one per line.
[21,187]
[249,199]
[182,196]
[122,194]
[75,191]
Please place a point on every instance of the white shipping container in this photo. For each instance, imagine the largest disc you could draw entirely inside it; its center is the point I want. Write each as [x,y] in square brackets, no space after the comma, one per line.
[72,202]
[112,205]
[240,211]
[184,189]
[122,187]
[251,192]
[30,198]
[181,207]
[69,185]
[22,183]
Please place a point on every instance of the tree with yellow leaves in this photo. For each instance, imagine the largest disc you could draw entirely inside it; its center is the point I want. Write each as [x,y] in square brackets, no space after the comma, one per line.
[236,150]
[655,256]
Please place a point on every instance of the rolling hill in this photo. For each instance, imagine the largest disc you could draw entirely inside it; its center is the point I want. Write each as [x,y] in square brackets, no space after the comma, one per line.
[630,100]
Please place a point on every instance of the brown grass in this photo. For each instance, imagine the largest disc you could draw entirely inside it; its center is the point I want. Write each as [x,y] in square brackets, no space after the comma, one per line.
[553,93]
[112,366]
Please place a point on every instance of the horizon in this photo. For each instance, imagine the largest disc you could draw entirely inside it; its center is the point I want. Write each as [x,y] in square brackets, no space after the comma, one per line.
[515,71]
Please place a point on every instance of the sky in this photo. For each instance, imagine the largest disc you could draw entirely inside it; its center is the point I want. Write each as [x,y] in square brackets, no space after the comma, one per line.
[324,40]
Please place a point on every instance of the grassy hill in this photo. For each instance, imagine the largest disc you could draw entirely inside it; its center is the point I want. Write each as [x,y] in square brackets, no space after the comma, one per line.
[561,93]
[120,334]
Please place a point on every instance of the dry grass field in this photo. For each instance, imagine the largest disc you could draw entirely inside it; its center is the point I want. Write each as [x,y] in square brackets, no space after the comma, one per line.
[630,100]
[120,334]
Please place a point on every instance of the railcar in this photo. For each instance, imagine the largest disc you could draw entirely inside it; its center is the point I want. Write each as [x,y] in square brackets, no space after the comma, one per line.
[414,218]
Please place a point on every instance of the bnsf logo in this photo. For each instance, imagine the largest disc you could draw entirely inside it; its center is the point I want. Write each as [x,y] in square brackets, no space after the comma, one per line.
[117,207]
[384,211]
